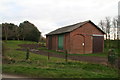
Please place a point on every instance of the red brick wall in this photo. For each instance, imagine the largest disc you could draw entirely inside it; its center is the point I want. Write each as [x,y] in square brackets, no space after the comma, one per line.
[47,41]
[54,42]
[77,40]
[76,44]
[67,41]
[73,42]
[88,44]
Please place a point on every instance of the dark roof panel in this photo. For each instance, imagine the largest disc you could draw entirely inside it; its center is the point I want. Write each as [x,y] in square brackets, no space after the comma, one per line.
[69,28]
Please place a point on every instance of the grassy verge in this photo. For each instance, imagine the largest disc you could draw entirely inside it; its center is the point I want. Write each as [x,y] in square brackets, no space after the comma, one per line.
[39,66]
[95,54]
[113,45]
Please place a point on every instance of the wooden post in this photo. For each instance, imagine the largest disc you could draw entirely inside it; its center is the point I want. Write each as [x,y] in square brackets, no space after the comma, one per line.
[66,55]
[27,54]
[48,55]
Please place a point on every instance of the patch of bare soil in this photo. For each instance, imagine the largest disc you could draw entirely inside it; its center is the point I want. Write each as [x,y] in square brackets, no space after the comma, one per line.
[91,59]
[31,46]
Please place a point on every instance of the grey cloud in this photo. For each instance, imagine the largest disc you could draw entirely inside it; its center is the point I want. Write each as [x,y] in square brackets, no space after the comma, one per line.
[48,15]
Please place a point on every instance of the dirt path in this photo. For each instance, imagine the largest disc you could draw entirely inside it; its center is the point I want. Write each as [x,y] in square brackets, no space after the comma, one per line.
[91,59]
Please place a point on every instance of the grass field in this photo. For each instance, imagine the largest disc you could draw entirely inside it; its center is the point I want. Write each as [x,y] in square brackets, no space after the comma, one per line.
[39,66]
[97,54]
[113,45]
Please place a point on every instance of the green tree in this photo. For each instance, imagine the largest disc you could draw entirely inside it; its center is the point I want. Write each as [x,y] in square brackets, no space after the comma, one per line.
[29,31]
[9,31]
[5,31]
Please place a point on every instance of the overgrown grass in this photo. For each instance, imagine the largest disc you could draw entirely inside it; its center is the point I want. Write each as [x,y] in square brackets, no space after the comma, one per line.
[13,44]
[63,70]
[40,67]
[93,54]
[113,45]
[11,47]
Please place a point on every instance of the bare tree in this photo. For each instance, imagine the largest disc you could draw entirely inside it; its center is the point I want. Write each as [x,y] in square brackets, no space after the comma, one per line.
[115,22]
[102,25]
[118,28]
[112,28]
[118,31]
[108,26]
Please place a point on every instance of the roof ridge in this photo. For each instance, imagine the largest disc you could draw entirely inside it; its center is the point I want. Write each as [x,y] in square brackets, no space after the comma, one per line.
[68,28]
[73,24]
[79,23]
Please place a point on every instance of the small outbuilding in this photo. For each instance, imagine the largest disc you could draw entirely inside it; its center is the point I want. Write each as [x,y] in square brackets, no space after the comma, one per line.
[81,38]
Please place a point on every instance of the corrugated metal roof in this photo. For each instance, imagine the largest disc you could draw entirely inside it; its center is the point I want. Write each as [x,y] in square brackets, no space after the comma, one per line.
[70,28]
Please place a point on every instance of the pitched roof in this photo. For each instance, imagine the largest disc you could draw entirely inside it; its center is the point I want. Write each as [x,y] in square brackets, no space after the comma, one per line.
[71,28]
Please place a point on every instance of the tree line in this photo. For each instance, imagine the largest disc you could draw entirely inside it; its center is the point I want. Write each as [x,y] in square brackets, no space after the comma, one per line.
[25,31]
[111,26]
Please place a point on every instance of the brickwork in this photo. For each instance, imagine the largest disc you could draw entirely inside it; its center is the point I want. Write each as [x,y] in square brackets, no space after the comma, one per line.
[79,41]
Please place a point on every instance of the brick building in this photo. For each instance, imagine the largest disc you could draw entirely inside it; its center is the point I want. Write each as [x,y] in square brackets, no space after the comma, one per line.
[81,38]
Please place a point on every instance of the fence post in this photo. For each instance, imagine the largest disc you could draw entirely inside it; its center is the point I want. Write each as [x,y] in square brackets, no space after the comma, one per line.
[48,55]
[27,54]
[66,55]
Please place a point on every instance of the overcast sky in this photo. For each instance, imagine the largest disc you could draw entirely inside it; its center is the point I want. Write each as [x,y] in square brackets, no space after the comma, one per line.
[48,15]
